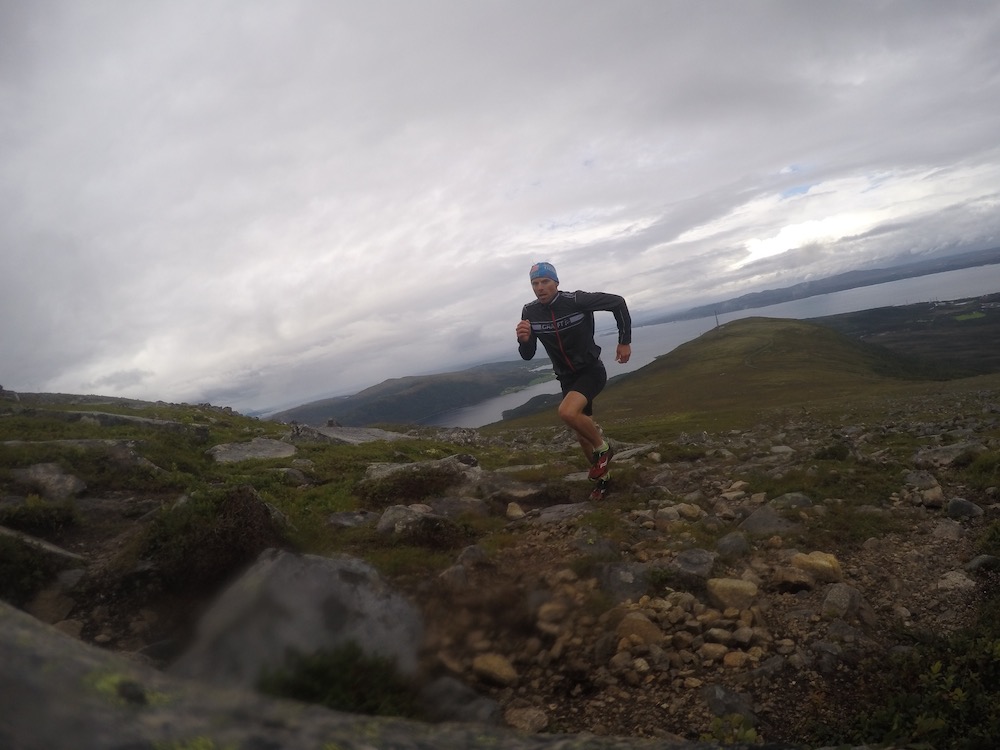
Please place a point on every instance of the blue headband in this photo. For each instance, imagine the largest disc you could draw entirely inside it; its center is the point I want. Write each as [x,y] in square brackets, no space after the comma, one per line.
[543,271]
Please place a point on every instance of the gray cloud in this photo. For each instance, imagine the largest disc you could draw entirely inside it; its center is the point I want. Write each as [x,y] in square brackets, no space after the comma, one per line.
[255,203]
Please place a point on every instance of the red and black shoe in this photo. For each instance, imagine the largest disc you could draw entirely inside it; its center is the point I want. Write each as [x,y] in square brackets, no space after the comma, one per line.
[601,463]
[600,490]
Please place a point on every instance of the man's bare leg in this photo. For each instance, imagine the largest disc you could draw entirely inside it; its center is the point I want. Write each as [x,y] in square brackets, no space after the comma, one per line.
[587,432]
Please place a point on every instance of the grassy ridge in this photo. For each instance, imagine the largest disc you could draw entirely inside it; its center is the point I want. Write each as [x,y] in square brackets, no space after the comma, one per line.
[931,340]
[965,334]
[728,376]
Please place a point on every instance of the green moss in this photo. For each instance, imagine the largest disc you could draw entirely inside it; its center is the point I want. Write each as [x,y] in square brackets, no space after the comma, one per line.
[124,691]
[196,743]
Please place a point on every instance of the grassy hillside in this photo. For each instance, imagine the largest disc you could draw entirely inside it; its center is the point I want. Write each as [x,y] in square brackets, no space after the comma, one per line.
[730,374]
[965,334]
[933,340]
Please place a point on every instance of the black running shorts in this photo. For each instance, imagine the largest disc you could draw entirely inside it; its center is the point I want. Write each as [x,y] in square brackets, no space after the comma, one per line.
[589,382]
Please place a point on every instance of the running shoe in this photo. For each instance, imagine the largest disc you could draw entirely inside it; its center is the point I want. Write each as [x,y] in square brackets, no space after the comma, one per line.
[602,460]
[600,490]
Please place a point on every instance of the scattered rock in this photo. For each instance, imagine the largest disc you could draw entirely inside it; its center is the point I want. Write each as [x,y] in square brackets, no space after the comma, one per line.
[257,448]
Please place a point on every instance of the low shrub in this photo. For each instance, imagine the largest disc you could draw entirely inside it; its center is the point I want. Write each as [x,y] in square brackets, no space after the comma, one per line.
[945,694]
[984,470]
[988,542]
[38,516]
[405,487]
[834,452]
[199,544]
[345,679]
[847,524]
[944,691]
[24,570]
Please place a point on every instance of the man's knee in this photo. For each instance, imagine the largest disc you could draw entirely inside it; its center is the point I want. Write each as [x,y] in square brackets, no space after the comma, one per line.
[571,408]
[568,414]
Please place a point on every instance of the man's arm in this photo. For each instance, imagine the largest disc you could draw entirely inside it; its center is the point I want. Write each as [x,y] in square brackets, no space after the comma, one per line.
[526,341]
[614,304]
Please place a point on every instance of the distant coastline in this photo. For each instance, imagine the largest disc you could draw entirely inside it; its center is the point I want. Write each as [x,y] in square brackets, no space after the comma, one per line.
[829,284]
[652,341]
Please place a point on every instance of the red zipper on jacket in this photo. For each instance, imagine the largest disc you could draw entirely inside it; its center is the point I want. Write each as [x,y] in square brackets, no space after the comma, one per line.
[555,329]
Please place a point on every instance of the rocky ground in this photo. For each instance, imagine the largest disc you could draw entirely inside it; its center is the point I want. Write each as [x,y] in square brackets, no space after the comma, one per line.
[668,662]
[686,596]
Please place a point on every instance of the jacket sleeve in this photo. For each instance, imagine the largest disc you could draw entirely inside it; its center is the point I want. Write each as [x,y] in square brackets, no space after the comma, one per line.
[527,348]
[612,303]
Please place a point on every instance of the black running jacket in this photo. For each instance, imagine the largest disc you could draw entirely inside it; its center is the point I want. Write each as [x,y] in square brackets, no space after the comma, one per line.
[565,327]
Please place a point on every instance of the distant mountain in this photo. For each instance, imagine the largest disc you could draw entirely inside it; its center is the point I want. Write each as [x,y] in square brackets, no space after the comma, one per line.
[838,283]
[417,398]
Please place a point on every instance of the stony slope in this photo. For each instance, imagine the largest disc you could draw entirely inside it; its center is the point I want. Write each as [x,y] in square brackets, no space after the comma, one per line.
[750,570]
[609,617]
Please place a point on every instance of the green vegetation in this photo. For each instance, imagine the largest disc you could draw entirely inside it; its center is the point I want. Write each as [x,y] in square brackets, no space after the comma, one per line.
[961,337]
[202,542]
[944,694]
[196,743]
[24,570]
[38,516]
[345,679]
[730,730]
[856,490]
[984,470]
[941,692]
[405,487]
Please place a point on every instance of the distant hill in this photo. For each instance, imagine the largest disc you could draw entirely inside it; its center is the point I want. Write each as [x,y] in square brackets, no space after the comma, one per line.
[837,283]
[760,362]
[937,340]
[960,335]
[417,398]
[747,365]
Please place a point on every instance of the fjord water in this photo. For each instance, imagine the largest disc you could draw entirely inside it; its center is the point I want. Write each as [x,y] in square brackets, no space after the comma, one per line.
[652,341]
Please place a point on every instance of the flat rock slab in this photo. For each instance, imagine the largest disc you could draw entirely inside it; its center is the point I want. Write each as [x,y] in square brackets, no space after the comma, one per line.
[42,545]
[560,513]
[357,435]
[257,448]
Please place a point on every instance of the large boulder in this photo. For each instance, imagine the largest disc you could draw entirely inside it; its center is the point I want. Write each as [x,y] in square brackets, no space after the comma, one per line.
[50,481]
[61,693]
[287,603]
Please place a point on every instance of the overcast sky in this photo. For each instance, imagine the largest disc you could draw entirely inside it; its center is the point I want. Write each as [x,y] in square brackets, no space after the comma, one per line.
[259,203]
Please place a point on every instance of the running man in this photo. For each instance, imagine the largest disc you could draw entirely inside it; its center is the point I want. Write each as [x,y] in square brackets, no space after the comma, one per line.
[564,323]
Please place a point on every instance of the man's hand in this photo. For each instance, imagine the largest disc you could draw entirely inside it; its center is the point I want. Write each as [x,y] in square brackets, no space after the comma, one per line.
[523,331]
[623,353]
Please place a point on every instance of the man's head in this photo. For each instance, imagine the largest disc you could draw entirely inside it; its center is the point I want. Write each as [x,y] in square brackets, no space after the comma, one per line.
[544,281]
[543,271]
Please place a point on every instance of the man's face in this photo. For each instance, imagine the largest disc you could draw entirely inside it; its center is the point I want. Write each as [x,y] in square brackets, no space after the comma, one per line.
[544,289]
